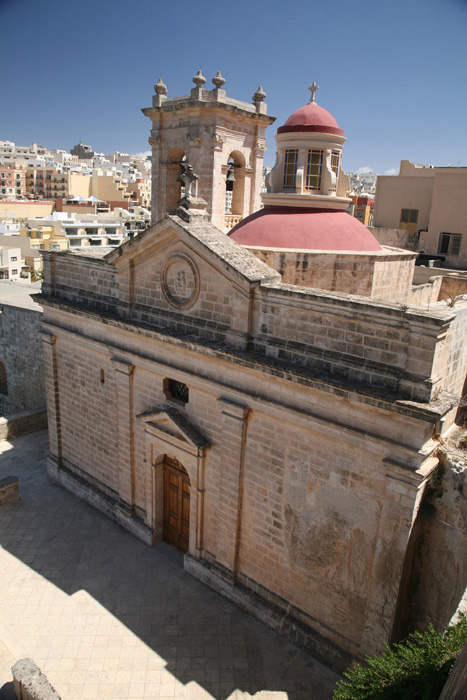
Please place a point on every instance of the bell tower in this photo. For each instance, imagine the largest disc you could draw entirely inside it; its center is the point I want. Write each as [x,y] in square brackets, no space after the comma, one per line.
[219,139]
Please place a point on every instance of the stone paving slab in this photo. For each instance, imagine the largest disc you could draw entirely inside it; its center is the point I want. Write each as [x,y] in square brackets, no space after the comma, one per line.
[105,616]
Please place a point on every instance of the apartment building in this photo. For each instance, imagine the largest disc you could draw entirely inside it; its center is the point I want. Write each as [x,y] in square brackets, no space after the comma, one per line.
[430,203]
[362,207]
[10,152]
[10,263]
[12,181]
[62,231]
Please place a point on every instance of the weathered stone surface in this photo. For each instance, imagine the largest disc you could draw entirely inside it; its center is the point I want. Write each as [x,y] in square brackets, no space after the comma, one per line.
[9,490]
[306,435]
[21,357]
[30,683]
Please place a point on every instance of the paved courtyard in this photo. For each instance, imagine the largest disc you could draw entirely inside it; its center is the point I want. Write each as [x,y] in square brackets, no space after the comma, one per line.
[105,616]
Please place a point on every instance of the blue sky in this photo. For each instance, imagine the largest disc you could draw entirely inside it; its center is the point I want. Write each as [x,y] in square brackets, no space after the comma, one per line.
[393,74]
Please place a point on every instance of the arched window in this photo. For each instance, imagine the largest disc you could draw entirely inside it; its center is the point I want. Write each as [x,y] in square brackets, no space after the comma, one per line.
[3,380]
[235,184]
[175,189]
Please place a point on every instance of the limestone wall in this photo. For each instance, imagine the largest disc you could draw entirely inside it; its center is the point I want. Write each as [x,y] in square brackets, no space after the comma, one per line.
[450,361]
[426,294]
[82,279]
[336,335]
[452,285]
[304,514]
[436,567]
[379,276]
[21,355]
[348,338]
[396,237]
[205,303]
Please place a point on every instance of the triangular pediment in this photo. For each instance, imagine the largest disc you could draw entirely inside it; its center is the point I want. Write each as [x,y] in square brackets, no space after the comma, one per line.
[172,424]
[198,238]
[189,277]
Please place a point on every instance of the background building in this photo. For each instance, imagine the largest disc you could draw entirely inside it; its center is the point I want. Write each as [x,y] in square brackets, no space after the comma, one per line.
[430,203]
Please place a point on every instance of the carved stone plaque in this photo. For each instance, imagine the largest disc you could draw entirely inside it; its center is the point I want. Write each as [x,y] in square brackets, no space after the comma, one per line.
[180,281]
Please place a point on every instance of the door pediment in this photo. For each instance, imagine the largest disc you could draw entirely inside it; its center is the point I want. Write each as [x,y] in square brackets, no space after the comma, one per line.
[171,426]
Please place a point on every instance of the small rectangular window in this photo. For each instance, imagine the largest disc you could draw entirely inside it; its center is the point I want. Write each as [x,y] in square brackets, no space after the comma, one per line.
[449,243]
[290,168]
[176,390]
[314,170]
[443,245]
[456,243]
[335,162]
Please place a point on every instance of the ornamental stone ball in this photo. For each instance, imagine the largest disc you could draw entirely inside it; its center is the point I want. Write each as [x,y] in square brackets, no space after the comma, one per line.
[160,88]
[199,79]
[218,80]
[259,95]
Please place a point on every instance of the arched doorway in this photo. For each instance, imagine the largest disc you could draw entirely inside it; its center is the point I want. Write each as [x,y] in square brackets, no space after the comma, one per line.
[176,530]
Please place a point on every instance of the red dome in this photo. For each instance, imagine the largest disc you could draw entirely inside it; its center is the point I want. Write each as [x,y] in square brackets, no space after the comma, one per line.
[311,117]
[298,228]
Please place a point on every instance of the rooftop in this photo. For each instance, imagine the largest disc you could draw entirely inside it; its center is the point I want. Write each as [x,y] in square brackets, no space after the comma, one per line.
[19,294]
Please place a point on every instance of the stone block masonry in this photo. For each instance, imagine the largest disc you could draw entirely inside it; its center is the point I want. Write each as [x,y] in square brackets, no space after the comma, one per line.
[22,379]
[304,423]
[9,490]
[30,683]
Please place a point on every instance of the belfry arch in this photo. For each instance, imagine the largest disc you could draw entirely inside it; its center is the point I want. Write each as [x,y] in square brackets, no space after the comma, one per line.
[173,190]
[235,184]
[211,127]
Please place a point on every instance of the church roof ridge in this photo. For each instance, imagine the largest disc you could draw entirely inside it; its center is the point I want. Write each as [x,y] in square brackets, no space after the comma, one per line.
[235,255]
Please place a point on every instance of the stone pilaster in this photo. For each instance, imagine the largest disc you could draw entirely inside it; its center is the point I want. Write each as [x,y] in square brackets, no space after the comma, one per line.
[397,512]
[232,438]
[52,396]
[124,432]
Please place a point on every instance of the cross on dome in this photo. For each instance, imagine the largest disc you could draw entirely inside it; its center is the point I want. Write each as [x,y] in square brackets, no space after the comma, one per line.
[313,87]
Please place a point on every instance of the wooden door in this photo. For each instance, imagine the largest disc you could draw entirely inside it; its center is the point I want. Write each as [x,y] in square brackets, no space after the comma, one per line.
[176,504]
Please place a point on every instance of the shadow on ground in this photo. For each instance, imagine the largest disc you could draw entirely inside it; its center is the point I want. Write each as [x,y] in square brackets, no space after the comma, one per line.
[201,636]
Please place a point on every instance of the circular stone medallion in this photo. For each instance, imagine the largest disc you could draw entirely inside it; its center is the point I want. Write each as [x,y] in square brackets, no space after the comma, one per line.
[180,281]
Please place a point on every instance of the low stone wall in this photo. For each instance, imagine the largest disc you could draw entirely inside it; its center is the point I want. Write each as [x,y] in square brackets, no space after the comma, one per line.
[428,293]
[9,490]
[21,357]
[395,237]
[30,683]
[382,275]
[22,423]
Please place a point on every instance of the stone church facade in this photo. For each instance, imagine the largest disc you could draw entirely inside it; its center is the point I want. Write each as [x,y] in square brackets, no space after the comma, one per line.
[280,435]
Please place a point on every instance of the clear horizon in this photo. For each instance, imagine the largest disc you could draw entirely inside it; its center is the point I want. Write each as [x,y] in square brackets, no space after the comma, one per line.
[391,75]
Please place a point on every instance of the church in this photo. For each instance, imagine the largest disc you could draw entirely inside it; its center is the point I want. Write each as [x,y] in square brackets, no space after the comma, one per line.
[255,386]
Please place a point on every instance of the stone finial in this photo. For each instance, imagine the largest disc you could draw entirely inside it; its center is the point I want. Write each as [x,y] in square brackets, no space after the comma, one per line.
[313,87]
[218,80]
[160,88]
[199,79]
[259,95]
